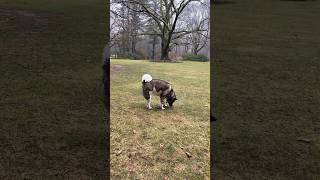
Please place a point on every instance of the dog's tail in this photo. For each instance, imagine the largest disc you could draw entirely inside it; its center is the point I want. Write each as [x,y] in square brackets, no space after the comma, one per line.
[146,78]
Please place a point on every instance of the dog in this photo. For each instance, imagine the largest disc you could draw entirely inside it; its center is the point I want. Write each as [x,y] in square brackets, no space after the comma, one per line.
[160,88]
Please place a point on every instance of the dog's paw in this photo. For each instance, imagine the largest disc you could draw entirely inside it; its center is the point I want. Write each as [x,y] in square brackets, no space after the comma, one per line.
[149,107]
[162,107]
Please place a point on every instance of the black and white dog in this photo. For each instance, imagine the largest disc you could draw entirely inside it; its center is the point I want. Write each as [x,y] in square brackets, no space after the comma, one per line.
[158,87]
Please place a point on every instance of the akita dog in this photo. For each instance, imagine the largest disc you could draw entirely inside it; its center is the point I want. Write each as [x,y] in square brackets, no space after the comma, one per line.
[157,87]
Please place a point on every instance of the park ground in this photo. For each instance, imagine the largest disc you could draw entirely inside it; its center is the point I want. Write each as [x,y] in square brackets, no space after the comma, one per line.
[266,89]
[265,68]
[162,144]
[51,109]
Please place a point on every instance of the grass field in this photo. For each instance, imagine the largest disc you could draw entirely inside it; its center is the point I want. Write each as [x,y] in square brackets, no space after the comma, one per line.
[266,71]
[51,110]
[154,143]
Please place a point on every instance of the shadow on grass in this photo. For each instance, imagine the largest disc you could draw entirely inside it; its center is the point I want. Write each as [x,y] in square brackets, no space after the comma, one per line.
[140,106]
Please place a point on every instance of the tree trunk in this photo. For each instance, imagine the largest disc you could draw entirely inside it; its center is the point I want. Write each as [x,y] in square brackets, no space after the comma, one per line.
[195,52]
[133,46]
[164,50]
[196,49]
[165,54]
[186,49]
[165,45]
[154,48]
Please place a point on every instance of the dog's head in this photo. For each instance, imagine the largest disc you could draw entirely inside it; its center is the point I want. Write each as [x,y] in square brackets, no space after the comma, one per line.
[171,98]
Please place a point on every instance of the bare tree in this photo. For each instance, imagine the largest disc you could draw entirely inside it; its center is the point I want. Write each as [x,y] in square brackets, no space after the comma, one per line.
[195,20]
[124,25]
[166,18]
[198,20]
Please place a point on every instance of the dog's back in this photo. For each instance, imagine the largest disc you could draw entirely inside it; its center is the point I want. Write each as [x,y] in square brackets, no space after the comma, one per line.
[160,87]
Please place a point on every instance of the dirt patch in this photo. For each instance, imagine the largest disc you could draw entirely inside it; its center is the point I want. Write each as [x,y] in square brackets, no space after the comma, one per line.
[116,69]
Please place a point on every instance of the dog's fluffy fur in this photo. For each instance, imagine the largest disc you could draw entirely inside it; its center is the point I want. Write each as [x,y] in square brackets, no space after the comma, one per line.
[158,87]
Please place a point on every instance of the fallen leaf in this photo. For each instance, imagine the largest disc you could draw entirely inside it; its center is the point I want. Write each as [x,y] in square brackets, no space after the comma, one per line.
[119,152]
[188,154]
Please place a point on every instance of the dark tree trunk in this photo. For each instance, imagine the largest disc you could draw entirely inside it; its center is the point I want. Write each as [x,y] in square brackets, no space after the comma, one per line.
[165,54]
[154,47]
[196,48]
[195,51]
[133,46]
[134,24]
[164,51]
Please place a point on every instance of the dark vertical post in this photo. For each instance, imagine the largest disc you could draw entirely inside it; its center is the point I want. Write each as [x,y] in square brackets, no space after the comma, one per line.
[106,101]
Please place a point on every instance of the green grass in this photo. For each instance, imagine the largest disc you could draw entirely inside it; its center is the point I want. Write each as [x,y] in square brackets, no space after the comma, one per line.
[52,123]
[153,143]
[266,71]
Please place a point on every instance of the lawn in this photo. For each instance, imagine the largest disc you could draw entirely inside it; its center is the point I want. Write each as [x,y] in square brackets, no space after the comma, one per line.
[51,110]
[156,143]
[266,70]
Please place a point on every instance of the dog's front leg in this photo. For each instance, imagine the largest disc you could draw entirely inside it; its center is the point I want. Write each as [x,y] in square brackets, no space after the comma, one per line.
[162,104]
[166,103]
[147,96]
[149,103]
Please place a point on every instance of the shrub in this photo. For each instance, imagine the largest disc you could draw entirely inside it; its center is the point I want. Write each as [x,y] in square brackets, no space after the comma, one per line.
[129,55]
[199,57]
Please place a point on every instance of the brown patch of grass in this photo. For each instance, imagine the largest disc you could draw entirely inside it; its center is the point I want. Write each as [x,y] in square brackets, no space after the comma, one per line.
[116,69]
